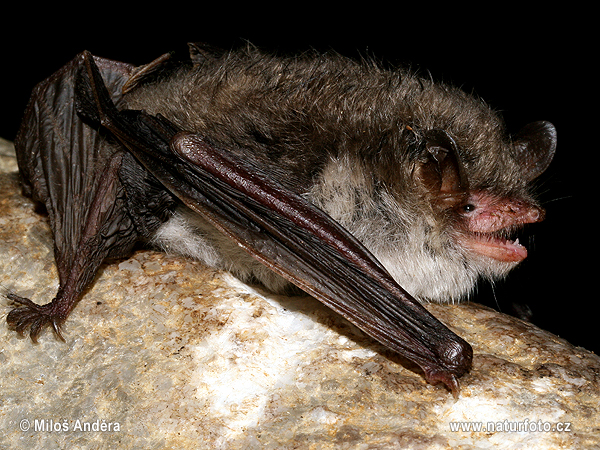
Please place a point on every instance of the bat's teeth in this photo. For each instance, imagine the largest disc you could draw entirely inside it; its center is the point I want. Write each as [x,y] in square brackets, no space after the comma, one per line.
[496,246]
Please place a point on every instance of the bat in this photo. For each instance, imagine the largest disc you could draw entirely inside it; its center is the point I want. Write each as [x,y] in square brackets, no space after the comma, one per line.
[370,189]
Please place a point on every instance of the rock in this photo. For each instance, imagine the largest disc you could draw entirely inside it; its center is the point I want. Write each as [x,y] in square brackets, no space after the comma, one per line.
[8,160]
[163,352]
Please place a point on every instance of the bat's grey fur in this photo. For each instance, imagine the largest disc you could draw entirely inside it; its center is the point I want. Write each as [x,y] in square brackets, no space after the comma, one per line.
[332,129]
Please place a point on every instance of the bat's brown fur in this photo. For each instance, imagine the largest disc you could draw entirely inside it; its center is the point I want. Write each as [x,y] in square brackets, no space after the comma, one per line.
[334,130]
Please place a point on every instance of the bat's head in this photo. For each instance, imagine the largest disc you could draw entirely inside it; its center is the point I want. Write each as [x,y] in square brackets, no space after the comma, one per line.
[452,192]
[478,197]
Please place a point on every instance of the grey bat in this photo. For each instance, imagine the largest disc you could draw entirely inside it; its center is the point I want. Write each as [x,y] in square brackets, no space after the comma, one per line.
[371,189]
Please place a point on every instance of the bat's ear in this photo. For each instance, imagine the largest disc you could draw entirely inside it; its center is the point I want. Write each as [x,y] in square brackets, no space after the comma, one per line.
[534,147]
[201,52]
[439,169]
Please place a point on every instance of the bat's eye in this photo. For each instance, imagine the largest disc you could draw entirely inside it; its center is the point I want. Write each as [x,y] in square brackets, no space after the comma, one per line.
[469,207]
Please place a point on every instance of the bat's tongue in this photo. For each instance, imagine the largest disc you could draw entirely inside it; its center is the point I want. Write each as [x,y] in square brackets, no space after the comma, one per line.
[492,219]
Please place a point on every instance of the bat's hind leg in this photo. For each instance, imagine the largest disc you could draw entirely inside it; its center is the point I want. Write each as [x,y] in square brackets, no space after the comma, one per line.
[27,315]
[108,231]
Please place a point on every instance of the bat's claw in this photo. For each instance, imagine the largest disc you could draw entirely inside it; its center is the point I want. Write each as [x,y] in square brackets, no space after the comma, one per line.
[448,379]
[33,317]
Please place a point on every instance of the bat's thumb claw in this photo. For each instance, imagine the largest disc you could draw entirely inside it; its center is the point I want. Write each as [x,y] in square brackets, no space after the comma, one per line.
[452,384]
[449,379]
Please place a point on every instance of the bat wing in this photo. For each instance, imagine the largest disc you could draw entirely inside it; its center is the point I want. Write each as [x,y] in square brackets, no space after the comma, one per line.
[73,170]
[282,230]
[61,158]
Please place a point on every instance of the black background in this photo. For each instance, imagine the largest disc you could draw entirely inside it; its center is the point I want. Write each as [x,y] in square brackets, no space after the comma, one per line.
[530,66]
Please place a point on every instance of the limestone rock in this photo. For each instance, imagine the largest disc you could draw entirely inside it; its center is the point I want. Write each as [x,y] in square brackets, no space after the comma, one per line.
[8,160]
[165,353]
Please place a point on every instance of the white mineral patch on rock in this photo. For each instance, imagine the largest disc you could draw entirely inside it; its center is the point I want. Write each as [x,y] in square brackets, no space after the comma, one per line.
[164,353]
[259,350]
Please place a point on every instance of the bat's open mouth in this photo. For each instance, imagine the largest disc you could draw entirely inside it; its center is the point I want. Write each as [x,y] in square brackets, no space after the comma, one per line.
[496,247]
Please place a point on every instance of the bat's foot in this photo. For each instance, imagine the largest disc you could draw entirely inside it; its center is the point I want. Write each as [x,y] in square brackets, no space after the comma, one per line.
[33,317]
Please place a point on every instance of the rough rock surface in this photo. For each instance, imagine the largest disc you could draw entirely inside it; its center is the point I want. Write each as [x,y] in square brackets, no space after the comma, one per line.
[165,353]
